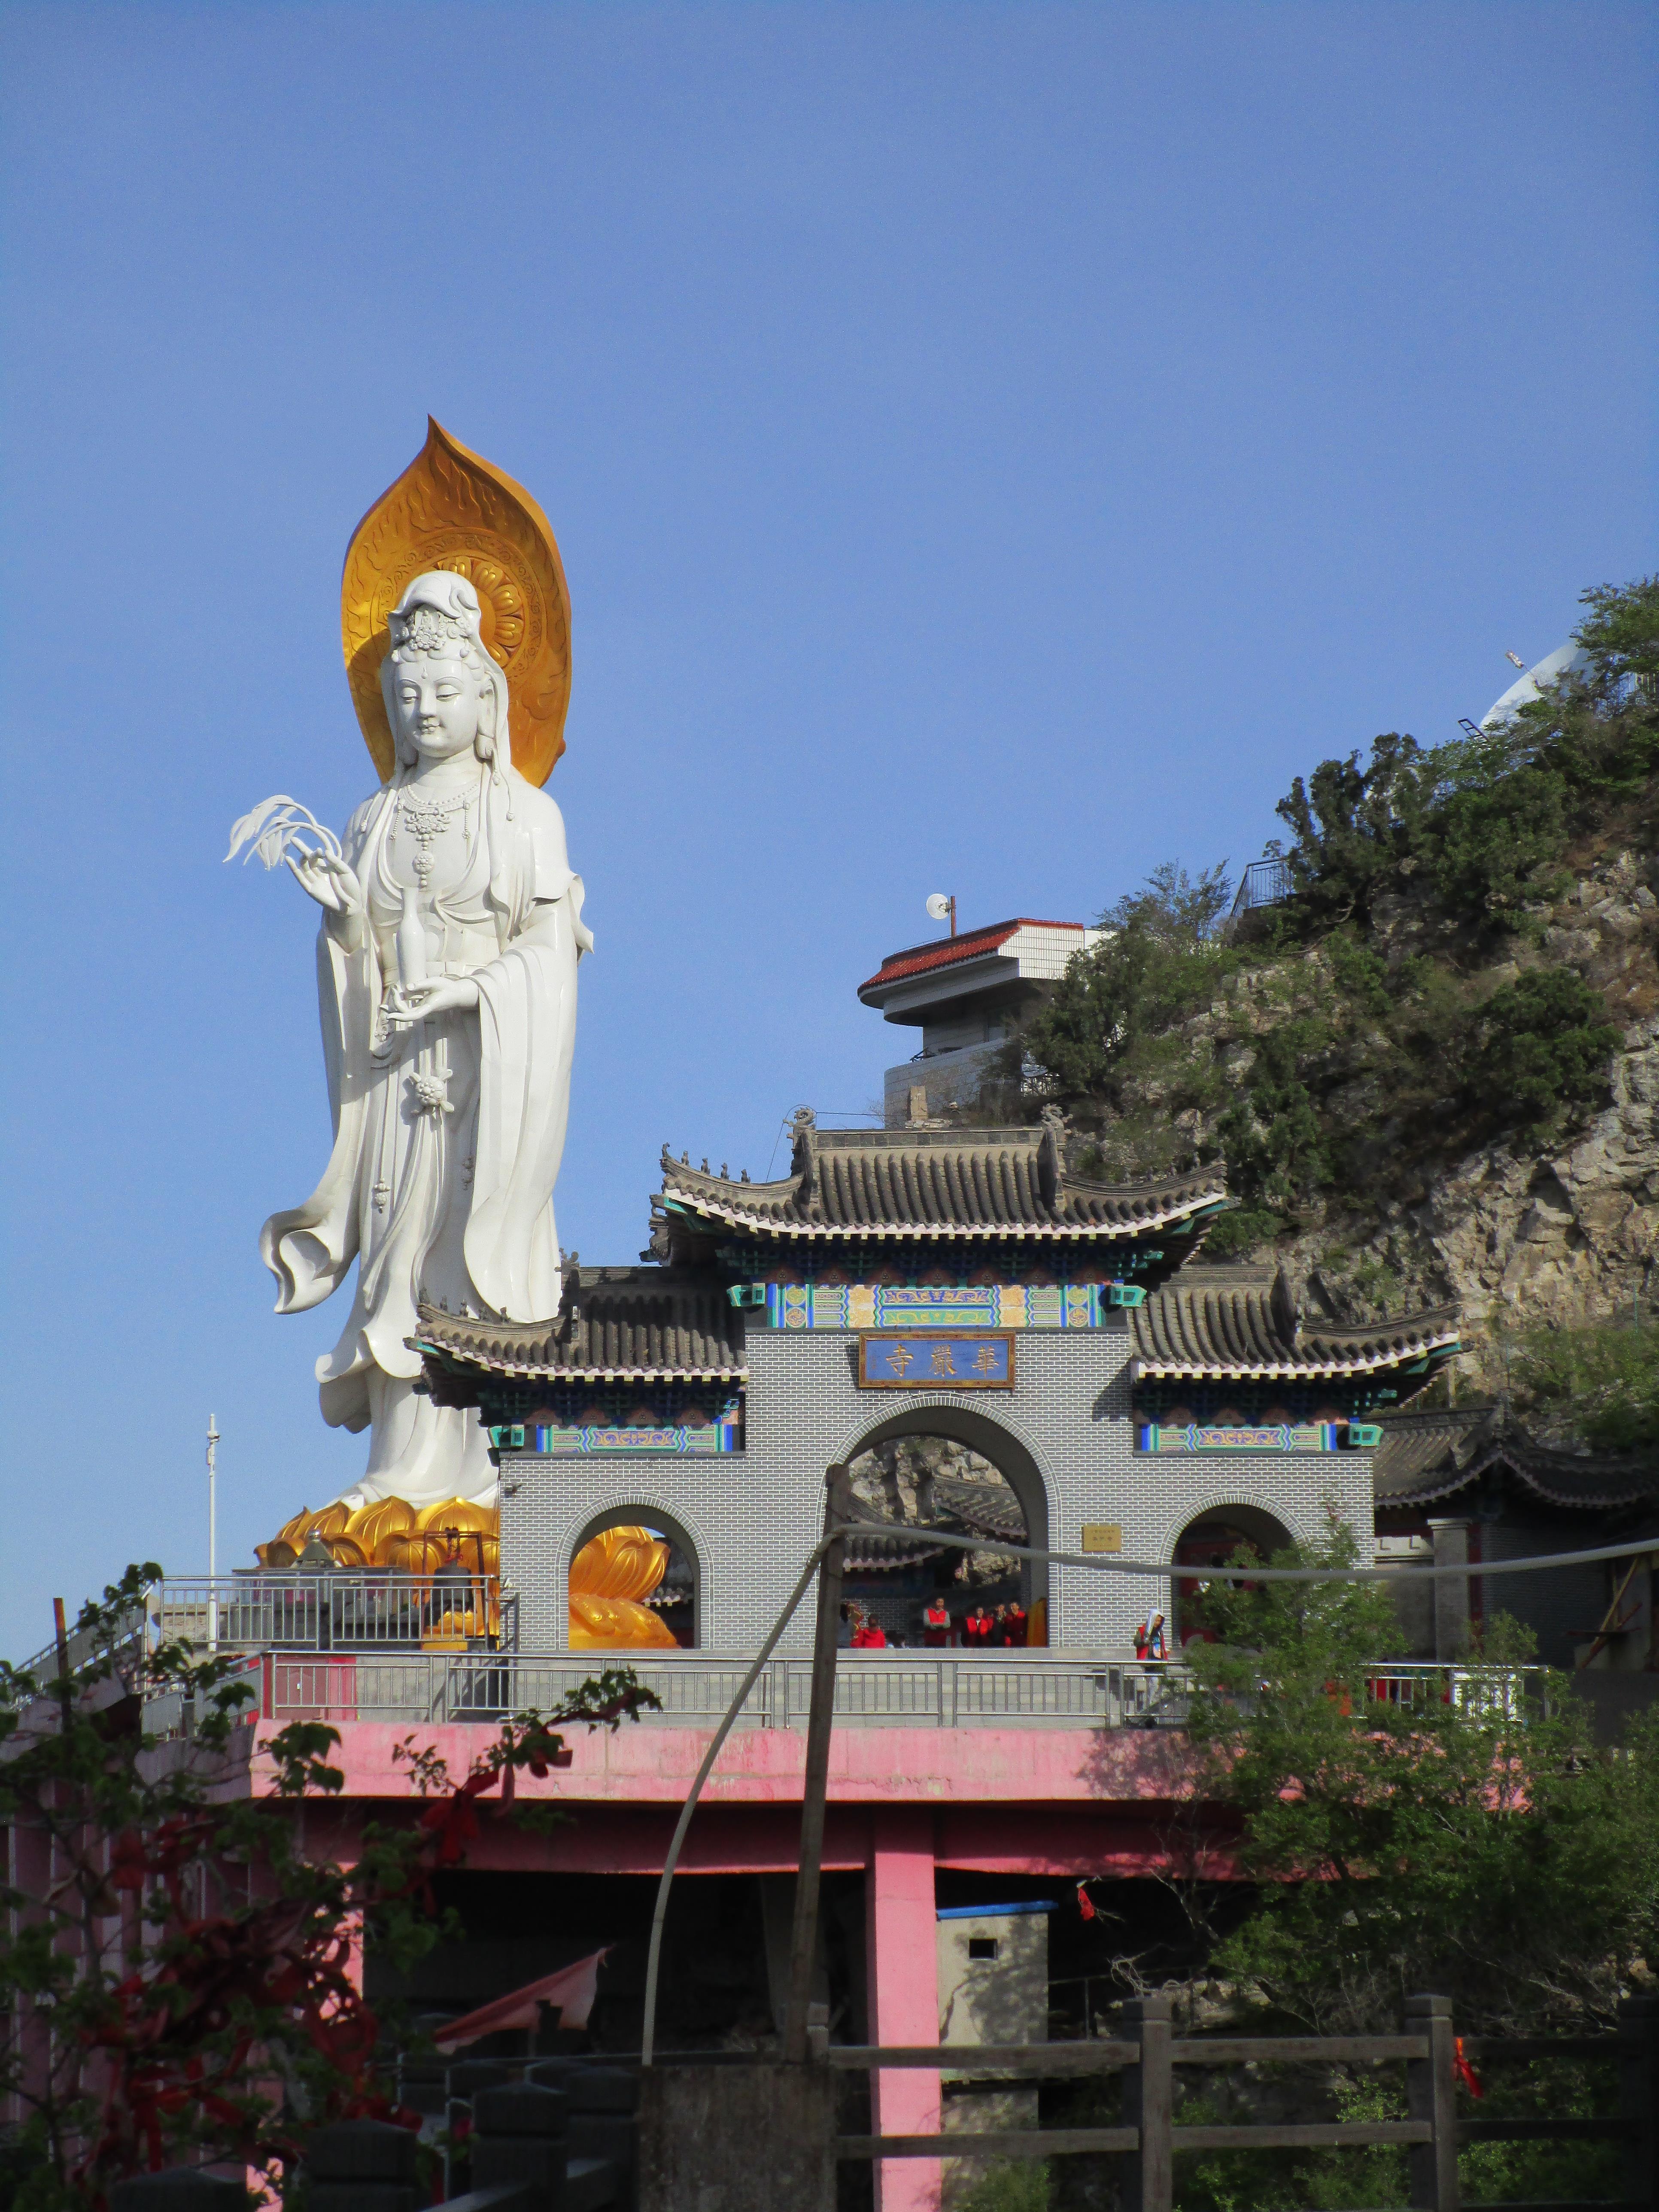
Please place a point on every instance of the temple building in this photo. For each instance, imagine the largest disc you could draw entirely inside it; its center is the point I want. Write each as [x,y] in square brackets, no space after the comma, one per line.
[962,1285]
[968,996]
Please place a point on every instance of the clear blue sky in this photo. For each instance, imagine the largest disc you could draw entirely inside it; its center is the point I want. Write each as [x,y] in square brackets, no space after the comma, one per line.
[993,449]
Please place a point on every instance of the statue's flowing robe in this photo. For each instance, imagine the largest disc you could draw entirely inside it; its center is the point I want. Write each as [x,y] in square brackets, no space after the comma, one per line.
[453,1205]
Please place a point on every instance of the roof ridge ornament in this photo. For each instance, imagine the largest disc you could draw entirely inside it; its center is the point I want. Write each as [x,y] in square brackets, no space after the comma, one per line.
[1286,1308]
[1051,1154]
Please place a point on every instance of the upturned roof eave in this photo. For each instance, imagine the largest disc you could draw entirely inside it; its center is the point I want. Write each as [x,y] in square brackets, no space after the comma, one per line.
[1196,1370]
[540,1371]
[693,1205]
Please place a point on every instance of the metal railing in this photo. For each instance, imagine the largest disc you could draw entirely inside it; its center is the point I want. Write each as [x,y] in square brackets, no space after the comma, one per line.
[1263,883]
[1484,1692]
[892,1689]
[327,1611]
[920,1689]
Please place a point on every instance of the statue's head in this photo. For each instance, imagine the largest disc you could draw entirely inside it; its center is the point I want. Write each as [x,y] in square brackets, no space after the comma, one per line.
[443,692]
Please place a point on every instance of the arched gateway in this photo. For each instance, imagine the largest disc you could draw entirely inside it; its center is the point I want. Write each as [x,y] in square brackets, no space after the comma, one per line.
[958,1284]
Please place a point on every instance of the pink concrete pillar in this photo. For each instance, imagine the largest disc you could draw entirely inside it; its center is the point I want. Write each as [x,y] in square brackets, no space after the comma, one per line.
[902,1940]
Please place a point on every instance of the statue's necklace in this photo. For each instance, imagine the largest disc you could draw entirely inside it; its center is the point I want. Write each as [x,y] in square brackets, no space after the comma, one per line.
[426,819]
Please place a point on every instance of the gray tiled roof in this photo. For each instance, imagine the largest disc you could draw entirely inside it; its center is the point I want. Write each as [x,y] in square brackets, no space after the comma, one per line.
[635,1322]
[880,1554]
[1425,1456]
[935,1182]
[1239,1322]
[983,1509]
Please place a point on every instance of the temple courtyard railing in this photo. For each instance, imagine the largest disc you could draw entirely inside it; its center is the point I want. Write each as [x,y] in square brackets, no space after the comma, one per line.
[348,1647]
[892,1689]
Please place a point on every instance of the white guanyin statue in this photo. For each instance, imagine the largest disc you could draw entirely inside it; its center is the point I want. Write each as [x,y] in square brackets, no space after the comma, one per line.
[447,968]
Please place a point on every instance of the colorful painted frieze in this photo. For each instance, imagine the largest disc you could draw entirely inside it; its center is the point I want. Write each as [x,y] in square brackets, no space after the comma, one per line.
[713,1439]
[936,1305]
[1282,1437]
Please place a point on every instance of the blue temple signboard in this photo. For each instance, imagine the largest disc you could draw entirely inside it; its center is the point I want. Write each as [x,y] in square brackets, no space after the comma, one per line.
[938,1361]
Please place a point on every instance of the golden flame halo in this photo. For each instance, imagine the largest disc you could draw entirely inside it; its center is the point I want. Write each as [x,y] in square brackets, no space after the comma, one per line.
[452,509]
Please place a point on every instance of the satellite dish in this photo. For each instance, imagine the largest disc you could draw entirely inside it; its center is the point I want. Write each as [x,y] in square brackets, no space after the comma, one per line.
[938,906]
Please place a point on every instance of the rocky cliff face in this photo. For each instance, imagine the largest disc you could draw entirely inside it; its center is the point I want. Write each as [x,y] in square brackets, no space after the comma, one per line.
[895,1482]
[1517,1234]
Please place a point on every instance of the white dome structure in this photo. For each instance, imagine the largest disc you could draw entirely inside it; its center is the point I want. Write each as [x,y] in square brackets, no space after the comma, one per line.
[1566,661]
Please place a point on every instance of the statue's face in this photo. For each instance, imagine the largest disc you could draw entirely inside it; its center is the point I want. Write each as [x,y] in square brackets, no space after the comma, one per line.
[438,706]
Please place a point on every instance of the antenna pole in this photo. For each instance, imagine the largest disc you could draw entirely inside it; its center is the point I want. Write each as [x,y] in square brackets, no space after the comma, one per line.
[953,914]
[213,1531]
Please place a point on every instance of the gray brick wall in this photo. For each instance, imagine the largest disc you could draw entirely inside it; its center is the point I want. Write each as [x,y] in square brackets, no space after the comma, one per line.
[755,1516]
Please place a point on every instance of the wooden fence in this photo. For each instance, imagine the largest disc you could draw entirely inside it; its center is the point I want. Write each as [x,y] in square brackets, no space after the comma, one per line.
[757,2135]
[1149,2140]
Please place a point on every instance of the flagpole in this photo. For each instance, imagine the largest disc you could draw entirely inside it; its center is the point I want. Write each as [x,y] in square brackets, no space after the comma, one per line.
[213,1531]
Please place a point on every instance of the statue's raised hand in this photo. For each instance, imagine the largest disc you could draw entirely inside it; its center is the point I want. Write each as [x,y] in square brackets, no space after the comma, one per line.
[330,881]
[277,830]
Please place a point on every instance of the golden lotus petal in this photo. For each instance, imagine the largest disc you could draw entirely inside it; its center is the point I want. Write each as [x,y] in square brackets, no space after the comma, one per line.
[372,1527]
[600,1624]
[619,1562]
[462,1514]
[452,509]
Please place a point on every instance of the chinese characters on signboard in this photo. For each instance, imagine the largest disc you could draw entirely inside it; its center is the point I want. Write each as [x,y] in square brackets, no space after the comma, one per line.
[937,1362]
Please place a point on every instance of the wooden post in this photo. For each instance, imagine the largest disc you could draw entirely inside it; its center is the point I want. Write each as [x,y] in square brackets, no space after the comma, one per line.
[1638,2097]
[1432,2095]
[519,2141]
[803,1944]
[179,2188]
[1149,2106]
[355,2163]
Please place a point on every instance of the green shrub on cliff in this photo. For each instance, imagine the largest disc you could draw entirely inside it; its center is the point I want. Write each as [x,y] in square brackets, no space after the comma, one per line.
[1605,1373]
[1487,818]
[1542,1046]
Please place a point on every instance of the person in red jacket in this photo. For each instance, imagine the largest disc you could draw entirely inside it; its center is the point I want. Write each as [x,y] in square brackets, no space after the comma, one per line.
[976,1629]
[1015,1627]
[936,1625]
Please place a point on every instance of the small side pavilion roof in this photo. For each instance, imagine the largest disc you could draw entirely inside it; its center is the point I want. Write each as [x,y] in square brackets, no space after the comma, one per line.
[636,1324]
[1242,1324]
[848,1184]
[1424,1457]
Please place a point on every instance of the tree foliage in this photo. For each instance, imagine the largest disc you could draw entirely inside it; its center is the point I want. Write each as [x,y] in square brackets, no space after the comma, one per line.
[1488,816]
[1158,960]
[1473,1840]
[1541,1044]
[175,1965]
[1604,1374]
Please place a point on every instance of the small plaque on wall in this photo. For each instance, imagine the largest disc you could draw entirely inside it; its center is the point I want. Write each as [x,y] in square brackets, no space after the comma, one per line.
[1102,1536]
[937,1361]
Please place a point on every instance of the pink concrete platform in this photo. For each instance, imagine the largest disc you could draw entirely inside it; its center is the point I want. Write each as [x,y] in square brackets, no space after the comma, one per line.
[648,1764]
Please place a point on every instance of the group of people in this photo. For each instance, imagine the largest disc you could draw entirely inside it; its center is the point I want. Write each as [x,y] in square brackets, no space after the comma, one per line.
[978,1630]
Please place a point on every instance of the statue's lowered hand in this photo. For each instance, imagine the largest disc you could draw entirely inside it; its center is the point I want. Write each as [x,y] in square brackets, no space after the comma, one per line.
[450,994]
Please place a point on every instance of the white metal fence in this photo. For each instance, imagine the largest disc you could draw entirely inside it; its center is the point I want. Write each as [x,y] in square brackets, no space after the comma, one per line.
[872,1690]
[325,1612]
